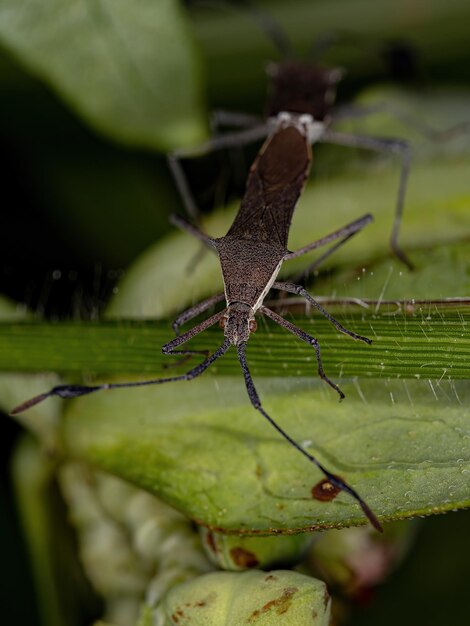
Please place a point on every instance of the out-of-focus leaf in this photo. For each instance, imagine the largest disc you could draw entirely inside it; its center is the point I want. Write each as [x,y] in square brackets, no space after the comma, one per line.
[62,599]
[32,473]
[130,69]
[131,545]
[260,598]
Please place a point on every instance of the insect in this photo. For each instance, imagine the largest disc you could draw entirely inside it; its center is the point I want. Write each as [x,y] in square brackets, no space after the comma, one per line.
[300,87]
[251,255]
[255,247]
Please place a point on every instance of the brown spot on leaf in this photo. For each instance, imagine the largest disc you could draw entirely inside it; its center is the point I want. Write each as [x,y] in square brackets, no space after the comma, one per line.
[207,600]
[270,577]
[325,491]
[280,605]
[243,558]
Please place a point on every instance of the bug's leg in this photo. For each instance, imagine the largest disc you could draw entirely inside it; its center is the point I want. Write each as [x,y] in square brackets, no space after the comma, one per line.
[196,310]
[184,317]
[301,334]
[194,231]
[382,144]
[310,269]
[343,234]
[420,126]
[301,291]
[228,140]
[73,391]
[336,481]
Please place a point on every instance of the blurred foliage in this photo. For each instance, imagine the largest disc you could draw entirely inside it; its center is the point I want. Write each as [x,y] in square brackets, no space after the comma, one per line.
[132,71]
[79,208]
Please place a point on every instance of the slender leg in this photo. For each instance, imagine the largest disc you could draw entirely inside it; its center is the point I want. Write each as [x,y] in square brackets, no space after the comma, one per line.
[183,224]
[195,310]
[379,144]
[298,332]
[336,481]
[184,317]
[183,187]
[229,140]
[301,291]
[73,391]
[345,232]
[313,266]
[419,125]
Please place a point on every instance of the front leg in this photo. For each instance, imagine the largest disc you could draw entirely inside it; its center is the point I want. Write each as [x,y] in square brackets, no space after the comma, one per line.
[195,310]
[301,291]
[186,316]
[298,332]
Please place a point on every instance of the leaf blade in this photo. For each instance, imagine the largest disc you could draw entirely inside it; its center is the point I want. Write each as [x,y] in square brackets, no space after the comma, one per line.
[133,71]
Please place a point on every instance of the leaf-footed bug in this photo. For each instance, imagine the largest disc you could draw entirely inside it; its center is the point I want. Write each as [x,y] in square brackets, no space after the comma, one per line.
[251,255]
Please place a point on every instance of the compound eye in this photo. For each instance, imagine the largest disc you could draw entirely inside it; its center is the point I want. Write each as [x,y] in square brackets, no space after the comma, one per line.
[252,326]
[222,322]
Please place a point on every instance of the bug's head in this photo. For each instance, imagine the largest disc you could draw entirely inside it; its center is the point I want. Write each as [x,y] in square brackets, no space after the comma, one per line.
[238,323]
[302,87]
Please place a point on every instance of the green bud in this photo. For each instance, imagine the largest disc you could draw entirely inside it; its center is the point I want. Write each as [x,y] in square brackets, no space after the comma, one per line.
[264,598]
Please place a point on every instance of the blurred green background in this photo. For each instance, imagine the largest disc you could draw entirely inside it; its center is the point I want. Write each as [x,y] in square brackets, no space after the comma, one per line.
[82,199]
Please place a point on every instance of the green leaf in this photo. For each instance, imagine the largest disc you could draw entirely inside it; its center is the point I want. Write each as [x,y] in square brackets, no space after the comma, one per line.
[251,597]
[130,69]
[201,447]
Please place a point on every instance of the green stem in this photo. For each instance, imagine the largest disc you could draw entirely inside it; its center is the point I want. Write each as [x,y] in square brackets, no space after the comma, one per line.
[433,343]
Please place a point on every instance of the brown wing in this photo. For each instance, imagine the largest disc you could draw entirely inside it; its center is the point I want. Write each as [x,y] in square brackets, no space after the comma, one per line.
[274,185]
